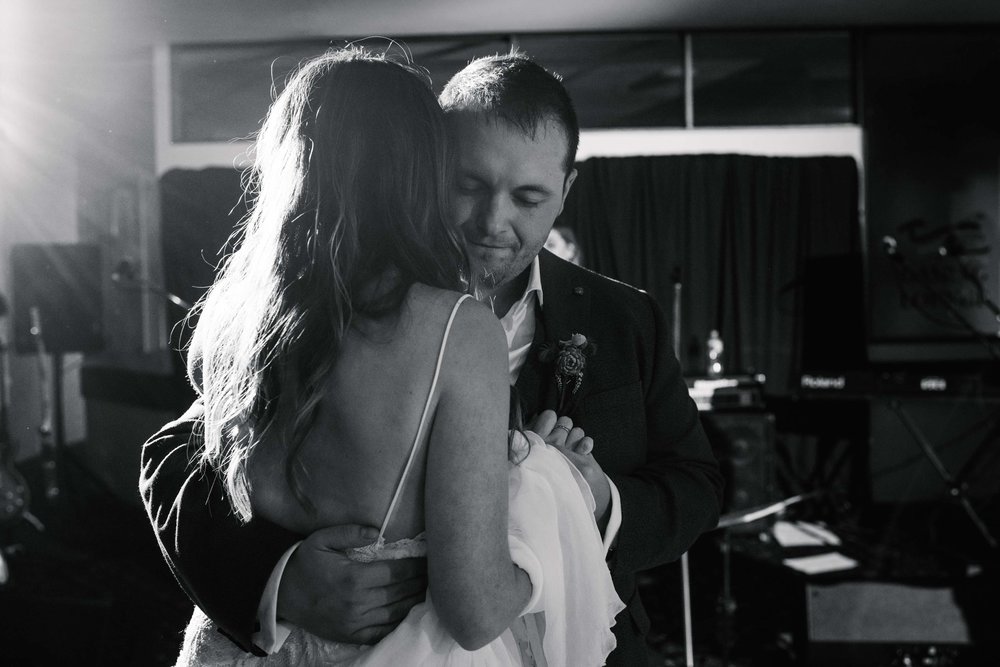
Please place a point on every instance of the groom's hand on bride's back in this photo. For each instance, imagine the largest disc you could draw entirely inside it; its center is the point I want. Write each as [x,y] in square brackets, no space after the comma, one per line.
[335,598]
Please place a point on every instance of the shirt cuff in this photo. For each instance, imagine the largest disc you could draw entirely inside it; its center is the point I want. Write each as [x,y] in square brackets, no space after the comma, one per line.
[614,521]
[272,633]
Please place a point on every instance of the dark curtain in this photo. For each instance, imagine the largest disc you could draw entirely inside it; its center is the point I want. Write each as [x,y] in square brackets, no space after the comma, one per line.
[742,234]
[737,234]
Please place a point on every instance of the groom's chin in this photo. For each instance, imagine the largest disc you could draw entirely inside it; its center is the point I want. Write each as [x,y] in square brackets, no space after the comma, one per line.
[485,277]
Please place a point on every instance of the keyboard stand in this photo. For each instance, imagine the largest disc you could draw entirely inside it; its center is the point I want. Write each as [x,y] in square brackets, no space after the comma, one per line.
[955,488]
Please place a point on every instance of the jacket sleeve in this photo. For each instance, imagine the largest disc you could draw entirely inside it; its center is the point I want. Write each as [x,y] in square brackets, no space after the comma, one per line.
[675,494]
[221,563]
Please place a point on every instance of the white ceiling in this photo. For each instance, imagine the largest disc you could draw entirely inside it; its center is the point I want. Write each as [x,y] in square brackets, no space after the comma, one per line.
[201,20]
[125,24]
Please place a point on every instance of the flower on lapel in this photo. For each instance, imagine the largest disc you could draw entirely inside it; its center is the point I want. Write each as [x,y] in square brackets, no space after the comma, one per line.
[570,358]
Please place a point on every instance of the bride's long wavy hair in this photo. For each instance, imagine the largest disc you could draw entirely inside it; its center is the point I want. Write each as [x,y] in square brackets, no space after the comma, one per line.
[348,196]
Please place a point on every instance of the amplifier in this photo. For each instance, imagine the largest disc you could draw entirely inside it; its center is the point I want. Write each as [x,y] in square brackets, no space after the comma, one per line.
[743,443]
[878,611]
[882,623]
[847,619]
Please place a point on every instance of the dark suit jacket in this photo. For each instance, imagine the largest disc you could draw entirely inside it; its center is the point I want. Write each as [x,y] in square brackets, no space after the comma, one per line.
[632,401]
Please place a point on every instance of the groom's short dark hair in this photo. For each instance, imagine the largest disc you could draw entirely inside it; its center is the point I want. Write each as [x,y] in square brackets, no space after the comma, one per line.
[513,88]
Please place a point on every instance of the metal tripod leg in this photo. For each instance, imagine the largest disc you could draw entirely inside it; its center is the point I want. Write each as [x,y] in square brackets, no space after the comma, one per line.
[955,489]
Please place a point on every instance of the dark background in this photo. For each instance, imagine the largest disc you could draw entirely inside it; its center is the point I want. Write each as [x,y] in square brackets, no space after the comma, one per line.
[796,283]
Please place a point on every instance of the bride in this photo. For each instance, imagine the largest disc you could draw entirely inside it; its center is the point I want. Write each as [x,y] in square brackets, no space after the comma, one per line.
[349,378]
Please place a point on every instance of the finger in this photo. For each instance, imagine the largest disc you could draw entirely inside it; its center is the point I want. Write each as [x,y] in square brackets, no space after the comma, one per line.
[372,633]
[390,572]
[543,423]
[574,436]
[573,457]
[584,446]
[346,536]
[375,606]
[399,590]
[560,432]
[579,443]
[391,614]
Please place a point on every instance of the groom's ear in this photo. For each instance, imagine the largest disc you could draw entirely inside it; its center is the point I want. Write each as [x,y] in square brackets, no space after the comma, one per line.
[567,184]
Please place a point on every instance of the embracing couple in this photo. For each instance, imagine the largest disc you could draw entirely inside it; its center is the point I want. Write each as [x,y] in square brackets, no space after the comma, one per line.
[357,482]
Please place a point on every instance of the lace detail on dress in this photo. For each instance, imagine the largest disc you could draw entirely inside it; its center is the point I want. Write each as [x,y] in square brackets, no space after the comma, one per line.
[408,547]
[368,553]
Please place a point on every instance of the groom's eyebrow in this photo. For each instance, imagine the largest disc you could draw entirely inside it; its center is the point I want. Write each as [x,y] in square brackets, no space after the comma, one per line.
[532,188]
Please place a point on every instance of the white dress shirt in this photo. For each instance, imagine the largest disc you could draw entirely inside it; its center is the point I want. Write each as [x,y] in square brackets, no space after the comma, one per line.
[519,326]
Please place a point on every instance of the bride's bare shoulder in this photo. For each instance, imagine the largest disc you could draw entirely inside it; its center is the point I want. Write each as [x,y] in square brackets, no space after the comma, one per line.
[476,342]
[473,317]
[429,300]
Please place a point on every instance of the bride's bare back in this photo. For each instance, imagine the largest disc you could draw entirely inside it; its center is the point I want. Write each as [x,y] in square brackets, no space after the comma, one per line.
[367,421]
[456,491]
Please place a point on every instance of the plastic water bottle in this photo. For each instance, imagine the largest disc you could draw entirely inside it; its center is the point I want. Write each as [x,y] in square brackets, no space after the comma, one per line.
[714,348]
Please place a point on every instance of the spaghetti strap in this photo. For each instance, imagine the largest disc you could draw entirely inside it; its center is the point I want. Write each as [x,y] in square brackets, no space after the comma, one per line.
[423,422]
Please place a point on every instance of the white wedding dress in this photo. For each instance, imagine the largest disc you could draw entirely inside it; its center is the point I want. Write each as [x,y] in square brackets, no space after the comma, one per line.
[552,536]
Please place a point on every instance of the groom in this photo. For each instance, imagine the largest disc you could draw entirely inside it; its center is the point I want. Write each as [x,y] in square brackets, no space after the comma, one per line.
[652,472]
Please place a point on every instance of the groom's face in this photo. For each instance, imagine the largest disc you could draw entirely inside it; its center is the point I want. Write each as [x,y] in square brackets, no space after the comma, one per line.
[509,188]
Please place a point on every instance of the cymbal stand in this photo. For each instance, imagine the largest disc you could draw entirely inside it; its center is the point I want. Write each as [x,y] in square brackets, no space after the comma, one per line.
[727,601]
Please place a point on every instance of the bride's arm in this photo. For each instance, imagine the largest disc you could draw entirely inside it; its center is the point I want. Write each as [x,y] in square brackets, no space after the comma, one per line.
[476,588]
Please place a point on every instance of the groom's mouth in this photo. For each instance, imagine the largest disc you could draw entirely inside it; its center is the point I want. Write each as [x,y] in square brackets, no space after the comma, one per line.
[488,247]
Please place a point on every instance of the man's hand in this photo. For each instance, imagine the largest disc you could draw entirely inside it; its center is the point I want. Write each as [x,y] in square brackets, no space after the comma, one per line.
[560,432]
[338,599]
[577,446]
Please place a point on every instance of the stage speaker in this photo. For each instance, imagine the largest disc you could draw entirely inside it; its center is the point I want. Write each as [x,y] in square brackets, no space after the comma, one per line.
[833,312]
[883,623]
[63,281]
[743,442]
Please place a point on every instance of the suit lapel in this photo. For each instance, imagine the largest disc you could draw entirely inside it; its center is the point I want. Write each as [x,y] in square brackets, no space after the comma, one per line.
[566,311]
[533,383]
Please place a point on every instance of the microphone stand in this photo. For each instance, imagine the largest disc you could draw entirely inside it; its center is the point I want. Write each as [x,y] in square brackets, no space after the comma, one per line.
[956,489]
[685,568]
[966,273]
[891,250]
[124,275]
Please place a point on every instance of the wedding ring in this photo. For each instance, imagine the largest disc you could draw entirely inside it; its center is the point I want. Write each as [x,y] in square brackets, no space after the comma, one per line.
[563,427]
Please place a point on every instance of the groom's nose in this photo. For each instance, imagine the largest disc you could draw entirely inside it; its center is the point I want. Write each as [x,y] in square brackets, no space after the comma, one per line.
[492,216]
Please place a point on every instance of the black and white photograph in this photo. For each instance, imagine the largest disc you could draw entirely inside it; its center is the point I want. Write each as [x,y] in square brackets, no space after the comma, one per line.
[537,333]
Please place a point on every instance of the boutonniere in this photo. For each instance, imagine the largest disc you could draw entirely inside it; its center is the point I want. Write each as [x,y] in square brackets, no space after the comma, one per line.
[570,358]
